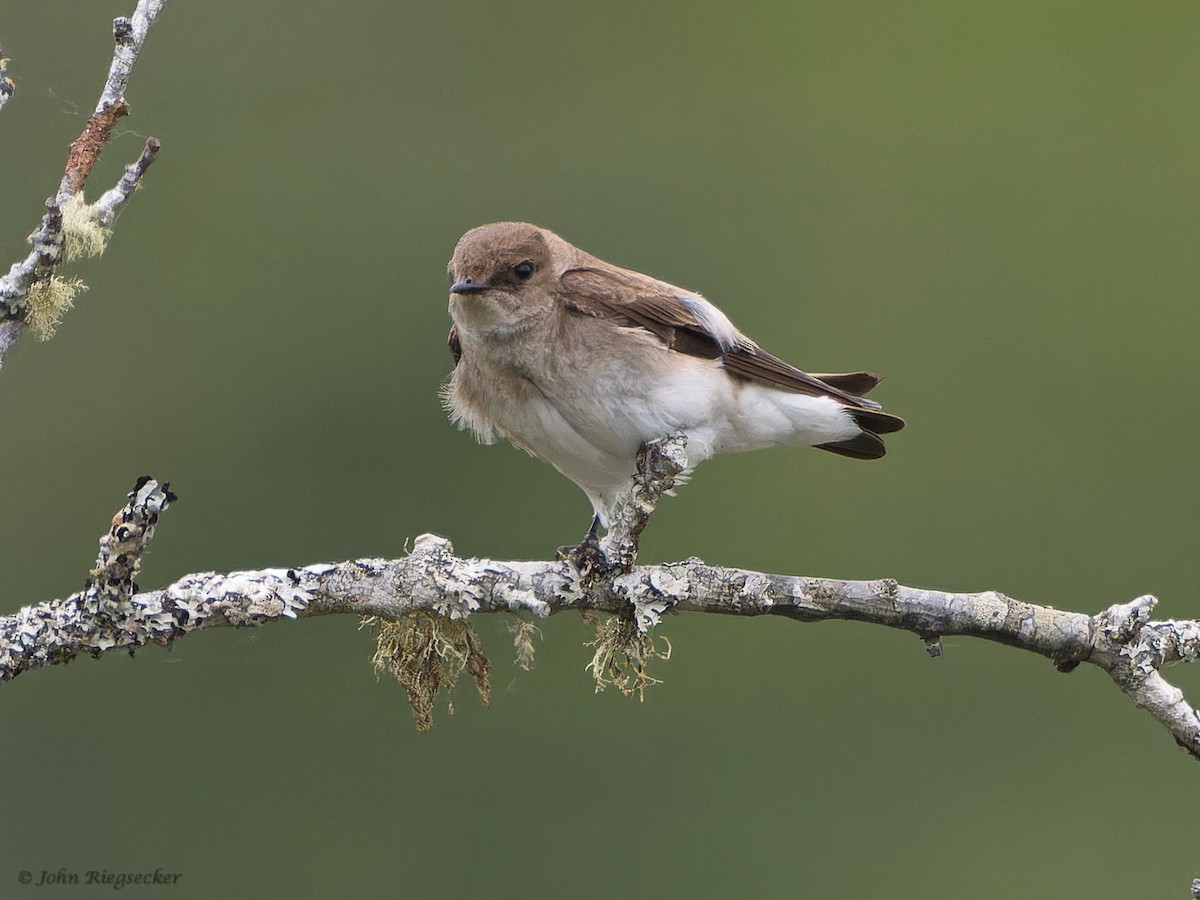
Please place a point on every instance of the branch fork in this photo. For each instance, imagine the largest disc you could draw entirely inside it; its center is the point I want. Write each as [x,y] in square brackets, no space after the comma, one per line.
[31,293]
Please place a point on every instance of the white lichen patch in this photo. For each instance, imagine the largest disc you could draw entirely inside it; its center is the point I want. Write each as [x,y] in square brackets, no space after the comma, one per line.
[242,598]
[152,498]
[757,589]
[461,588]
[669,580]
[573,585]
[151,617]
[515,598]
[271,592]
[319,569]
[1121,621]
[194,606]
[1187,638]
[649,613]
[990,606]
[102,642]
[455,588]
[669,586]
[1142,655]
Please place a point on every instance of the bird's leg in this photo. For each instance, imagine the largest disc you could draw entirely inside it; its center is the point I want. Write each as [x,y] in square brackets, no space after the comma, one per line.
[587,557]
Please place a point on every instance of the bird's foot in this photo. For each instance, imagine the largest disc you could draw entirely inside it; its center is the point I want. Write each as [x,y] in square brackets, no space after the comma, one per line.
[587,557]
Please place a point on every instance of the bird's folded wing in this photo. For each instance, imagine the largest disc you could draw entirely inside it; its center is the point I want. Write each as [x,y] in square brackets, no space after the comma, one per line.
[688,323]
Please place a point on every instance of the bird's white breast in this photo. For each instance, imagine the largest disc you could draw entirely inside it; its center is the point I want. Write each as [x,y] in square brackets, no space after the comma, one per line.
[586,412]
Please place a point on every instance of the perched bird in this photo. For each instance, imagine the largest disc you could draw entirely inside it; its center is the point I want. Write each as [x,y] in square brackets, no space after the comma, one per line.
[579,363]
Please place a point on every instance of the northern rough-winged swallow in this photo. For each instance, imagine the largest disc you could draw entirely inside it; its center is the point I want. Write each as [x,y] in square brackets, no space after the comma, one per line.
[579,362]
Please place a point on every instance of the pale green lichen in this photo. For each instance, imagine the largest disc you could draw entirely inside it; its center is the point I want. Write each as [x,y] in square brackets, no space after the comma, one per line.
[623,654]
[48,301]
[523,641]
[426,652]
[83,236]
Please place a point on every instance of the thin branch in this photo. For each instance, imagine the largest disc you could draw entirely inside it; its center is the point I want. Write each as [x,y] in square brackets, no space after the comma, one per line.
[128,37]
[659,465]
[108,615]
[6,84]
[105,209]
[36,267]
[32,279]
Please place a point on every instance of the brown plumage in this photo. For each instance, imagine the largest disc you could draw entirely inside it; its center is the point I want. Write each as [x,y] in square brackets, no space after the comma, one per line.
[542,325]
[655,306]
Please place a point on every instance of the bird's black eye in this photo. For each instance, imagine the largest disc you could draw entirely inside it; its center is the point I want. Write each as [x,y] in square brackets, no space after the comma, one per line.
[524,270]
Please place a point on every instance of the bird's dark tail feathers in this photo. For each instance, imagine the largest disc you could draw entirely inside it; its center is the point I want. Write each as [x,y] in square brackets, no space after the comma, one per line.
[873,422]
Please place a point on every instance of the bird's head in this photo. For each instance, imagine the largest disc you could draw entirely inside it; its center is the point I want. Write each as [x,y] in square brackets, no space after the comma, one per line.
[502,274]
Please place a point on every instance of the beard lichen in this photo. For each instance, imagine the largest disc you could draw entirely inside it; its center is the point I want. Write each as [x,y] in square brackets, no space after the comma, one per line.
[523,641]
[623,654]
[48,301]
[425,652]
[83,236]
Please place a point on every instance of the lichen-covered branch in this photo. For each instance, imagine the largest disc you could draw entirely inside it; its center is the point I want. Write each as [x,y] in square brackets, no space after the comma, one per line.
[432,582]
[96,618]
[104,210]
[659,465]
[32,293]
[6,84]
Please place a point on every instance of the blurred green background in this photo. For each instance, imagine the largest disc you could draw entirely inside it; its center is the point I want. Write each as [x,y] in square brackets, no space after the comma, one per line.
[995,204]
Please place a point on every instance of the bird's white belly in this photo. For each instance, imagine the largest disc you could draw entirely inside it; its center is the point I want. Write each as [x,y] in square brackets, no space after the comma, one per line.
[536,425]
[719,413]
[590,423]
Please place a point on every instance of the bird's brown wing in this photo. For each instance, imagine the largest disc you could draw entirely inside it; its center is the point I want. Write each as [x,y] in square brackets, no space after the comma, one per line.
[635,300]
[679,319]
[857,383]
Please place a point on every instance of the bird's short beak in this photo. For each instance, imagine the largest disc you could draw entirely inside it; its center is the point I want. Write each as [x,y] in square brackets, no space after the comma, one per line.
[467,286]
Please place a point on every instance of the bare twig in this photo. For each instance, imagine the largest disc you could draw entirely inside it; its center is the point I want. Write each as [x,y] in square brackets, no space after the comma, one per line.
[105,209]
[128,37]
[32,280]
[431,579]
[6,84]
